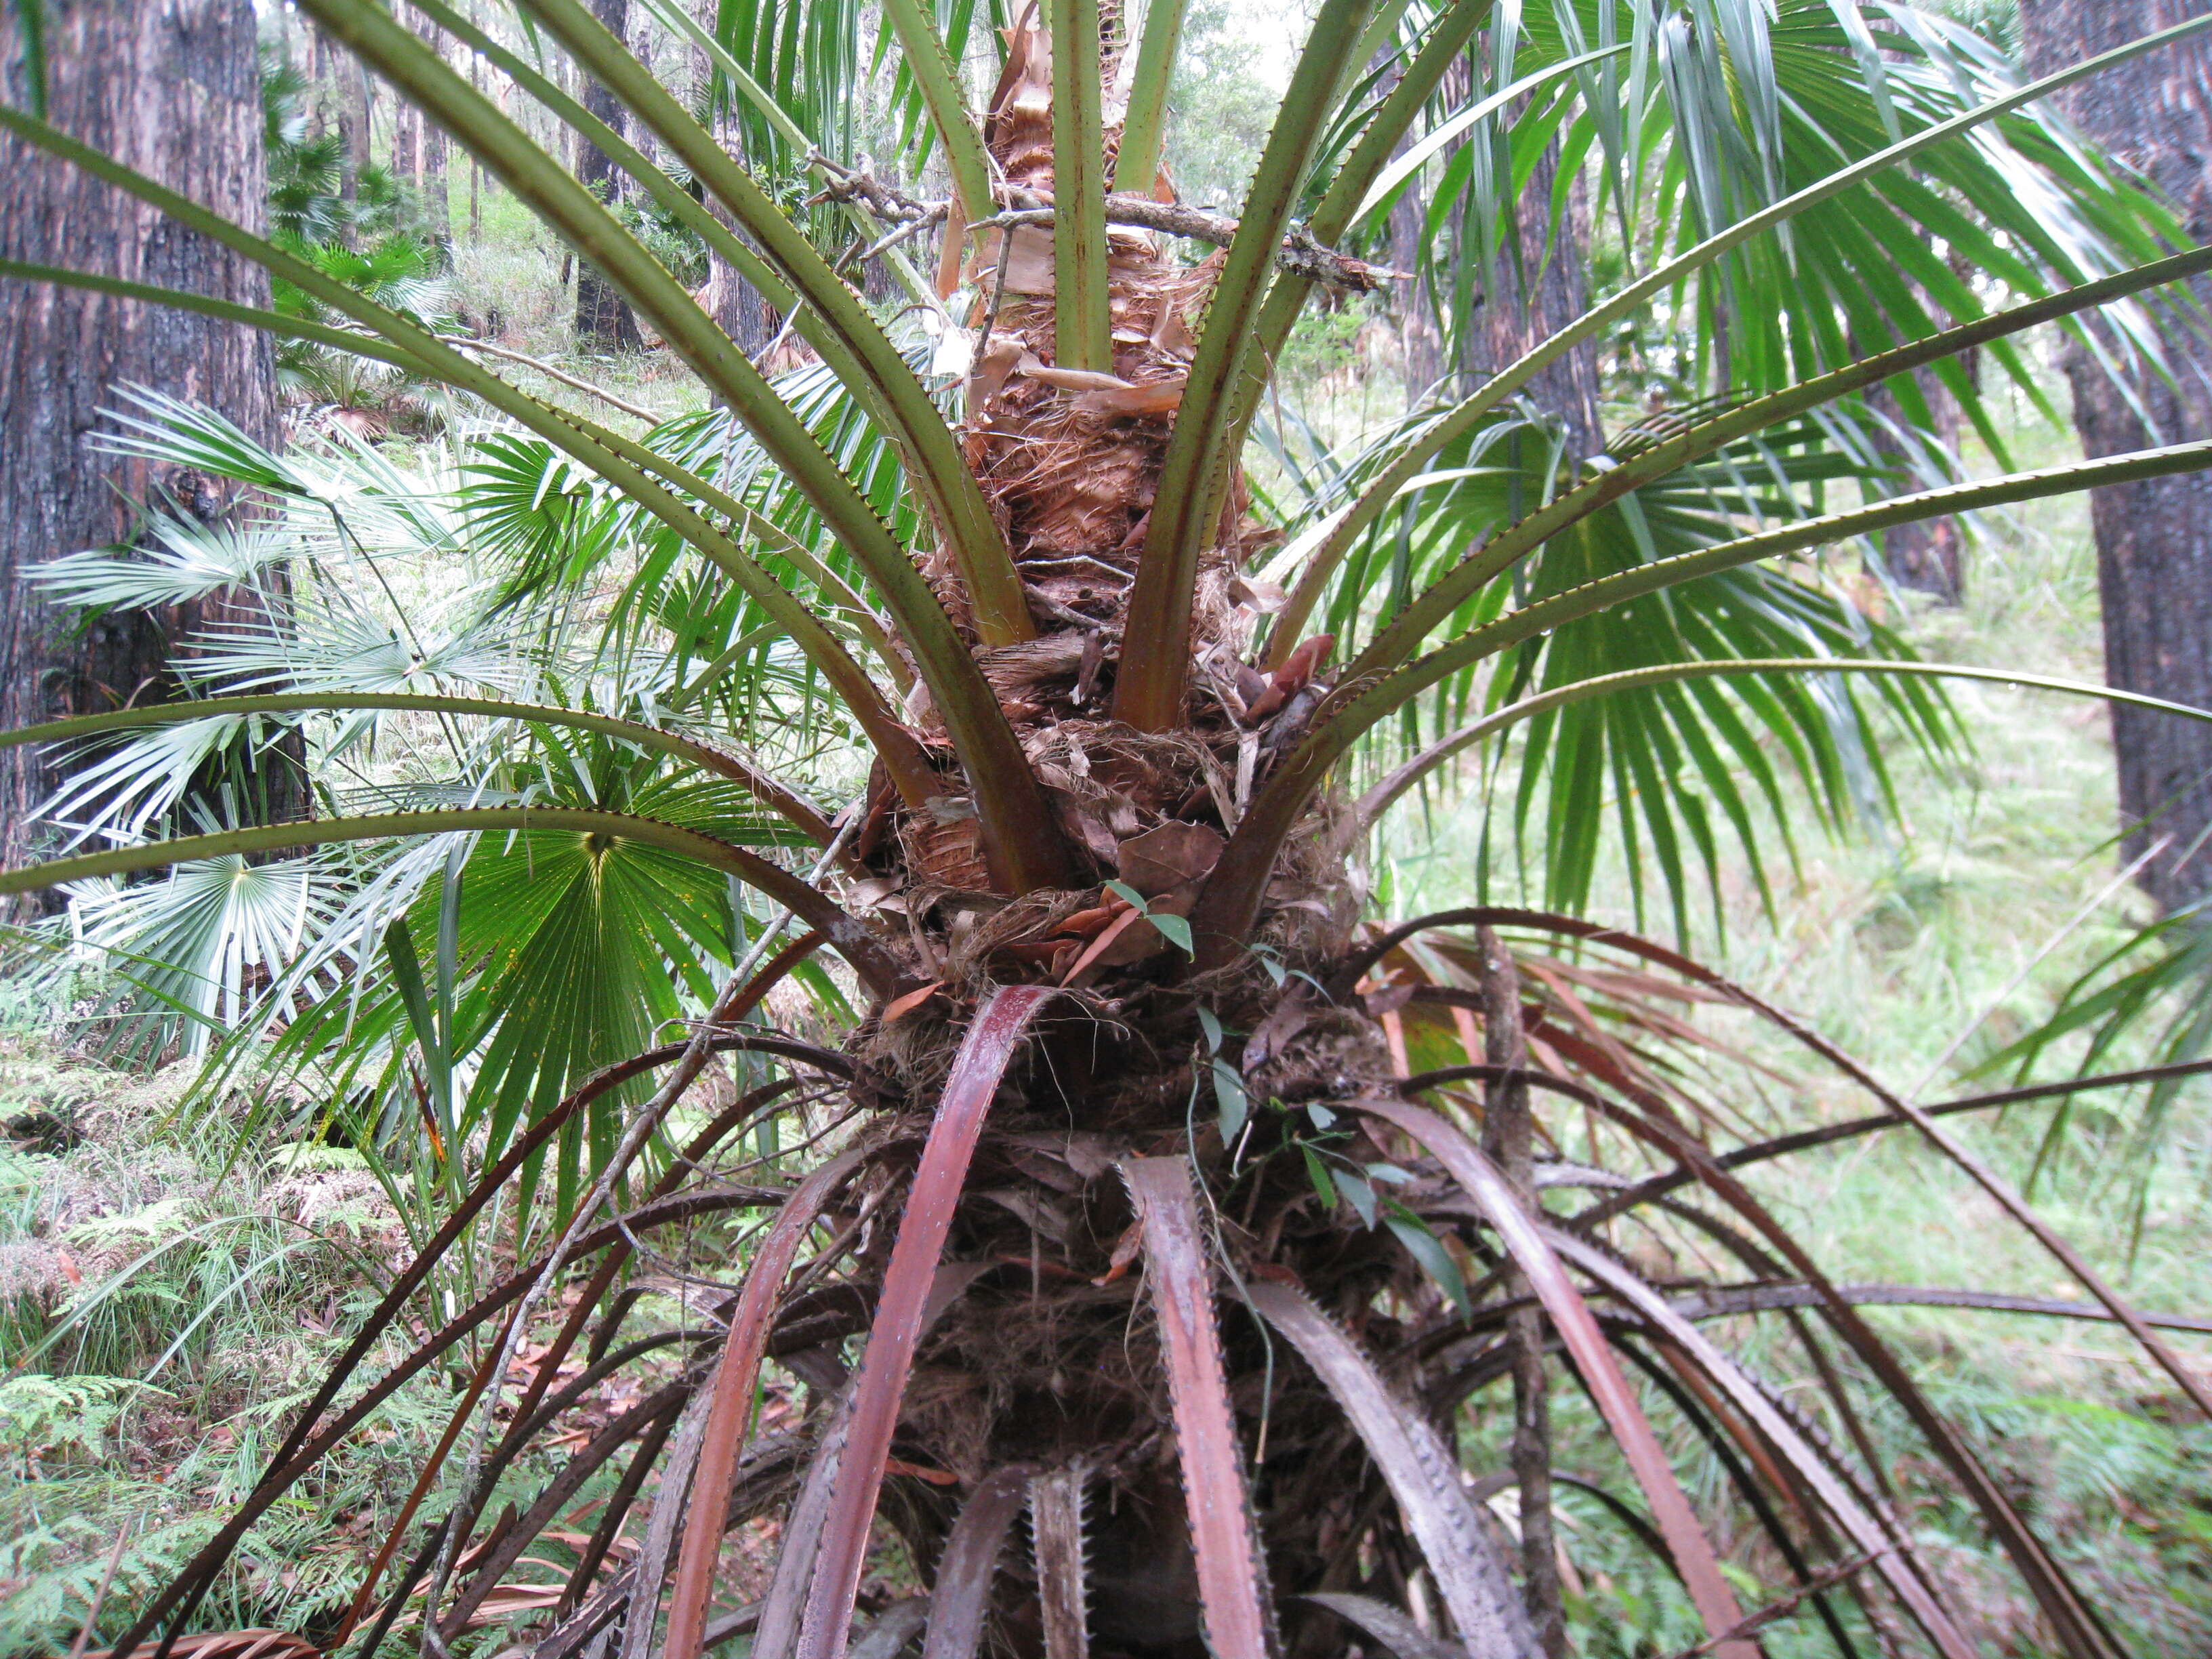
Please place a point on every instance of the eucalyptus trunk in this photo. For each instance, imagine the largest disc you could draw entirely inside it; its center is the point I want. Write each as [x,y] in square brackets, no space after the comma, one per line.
[2154,538]
[173,87]
[605,322]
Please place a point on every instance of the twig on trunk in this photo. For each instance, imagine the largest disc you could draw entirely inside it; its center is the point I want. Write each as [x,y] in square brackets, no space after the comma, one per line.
[1301,255]
[1508,1136]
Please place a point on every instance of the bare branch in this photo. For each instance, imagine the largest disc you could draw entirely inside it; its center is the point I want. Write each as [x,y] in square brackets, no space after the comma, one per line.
[1301,254]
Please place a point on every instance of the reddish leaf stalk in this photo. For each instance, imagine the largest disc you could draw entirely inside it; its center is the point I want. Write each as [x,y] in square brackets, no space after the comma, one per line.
[1230,1576]
[1571,1316]
[970,1561]
[1508,1135]
[981,1062]
[731,1409]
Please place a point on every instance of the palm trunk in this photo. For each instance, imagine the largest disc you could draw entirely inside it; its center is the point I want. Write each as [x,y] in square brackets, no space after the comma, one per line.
[1046,1370]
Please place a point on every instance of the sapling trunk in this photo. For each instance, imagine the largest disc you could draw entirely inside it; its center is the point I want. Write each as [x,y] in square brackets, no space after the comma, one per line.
[1508,1136]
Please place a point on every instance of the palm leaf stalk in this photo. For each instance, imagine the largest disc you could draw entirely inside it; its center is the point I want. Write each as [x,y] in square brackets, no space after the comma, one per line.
[1091,894]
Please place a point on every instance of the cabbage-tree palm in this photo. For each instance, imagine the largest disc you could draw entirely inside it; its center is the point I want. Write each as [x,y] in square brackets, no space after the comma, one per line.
[1164,1203]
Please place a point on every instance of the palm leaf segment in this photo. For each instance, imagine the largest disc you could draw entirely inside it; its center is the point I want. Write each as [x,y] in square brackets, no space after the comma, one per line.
[1078,533]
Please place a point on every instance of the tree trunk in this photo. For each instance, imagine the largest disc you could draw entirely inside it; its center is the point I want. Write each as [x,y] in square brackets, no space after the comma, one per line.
[1420,333]
[1539,285]
[603,322]
[406,152]
[1924,555]
[427,141]
[356,105]
[170,87]
[736,306]
[2154,538]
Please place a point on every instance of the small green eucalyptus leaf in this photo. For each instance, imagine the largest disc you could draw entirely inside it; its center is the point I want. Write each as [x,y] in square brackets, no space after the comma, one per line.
[1322,1116]
[1128,893]
[1358,1194]
[1210,1022]
[1236,1105]
[1177,932]
[1317,1172]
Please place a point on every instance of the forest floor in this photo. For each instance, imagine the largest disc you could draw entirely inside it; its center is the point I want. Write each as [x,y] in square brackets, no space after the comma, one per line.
[203,1280]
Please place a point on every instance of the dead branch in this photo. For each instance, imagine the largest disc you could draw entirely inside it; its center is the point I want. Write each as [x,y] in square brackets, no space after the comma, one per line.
[1301,254]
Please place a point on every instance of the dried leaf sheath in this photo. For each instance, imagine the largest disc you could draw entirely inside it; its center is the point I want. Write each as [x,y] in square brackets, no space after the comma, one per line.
[1056,1525]
[961,1602]
[1423,1475]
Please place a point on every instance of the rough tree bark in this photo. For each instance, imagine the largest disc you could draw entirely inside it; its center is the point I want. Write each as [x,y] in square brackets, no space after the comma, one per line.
[357,125]
[1926,556]
[418,145]
[2154,539]
[603,322]
[170,87]
[736,306]
[430,158]
[1540,285]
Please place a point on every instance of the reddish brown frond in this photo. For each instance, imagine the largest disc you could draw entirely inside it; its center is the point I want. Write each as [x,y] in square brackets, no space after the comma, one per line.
[984,1053]
[1179,1277]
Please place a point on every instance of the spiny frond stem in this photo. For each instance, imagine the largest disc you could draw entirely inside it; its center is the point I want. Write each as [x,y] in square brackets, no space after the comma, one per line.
[476,1479]
[1194,477]
[592,445]
[1021,838]
[1228,906]
[1082,317]
[938,79]
[622,461]
[878,968]
[1406,631]
[1463,417]
[887,383]
[1137,163]
[1805,1140]
[303,1447]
